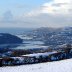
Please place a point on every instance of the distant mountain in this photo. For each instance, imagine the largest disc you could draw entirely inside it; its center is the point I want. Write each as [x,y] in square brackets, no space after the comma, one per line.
[53,36]
[6,38]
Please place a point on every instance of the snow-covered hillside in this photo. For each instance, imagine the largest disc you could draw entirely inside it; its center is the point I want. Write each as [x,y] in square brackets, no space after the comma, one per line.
[58,66]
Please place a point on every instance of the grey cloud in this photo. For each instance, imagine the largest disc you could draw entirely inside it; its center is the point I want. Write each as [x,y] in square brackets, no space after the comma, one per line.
[7,16]
[59,4]
[51,20]
[42,20]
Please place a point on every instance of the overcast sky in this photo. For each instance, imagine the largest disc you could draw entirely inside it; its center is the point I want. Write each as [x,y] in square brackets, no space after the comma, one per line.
[35,13]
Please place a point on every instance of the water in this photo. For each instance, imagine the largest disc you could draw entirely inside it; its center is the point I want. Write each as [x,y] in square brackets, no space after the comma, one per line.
[15,31]
[29,44]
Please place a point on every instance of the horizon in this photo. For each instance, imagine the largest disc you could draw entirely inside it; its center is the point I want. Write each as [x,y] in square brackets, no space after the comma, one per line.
[33,27]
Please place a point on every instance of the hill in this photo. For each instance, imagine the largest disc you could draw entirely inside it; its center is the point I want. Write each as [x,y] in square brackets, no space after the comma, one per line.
[59,66]
[6,38]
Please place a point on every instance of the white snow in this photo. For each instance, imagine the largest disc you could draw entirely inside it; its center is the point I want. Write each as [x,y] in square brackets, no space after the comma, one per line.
[58,66]
[40,54]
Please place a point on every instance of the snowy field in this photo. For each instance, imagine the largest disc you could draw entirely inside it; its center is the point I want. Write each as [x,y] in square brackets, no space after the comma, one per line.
[58,66]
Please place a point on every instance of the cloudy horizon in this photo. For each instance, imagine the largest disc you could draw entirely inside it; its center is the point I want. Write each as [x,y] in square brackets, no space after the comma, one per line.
[34,14]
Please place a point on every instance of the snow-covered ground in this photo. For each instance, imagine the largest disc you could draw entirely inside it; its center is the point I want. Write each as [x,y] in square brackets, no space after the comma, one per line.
[58,66]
